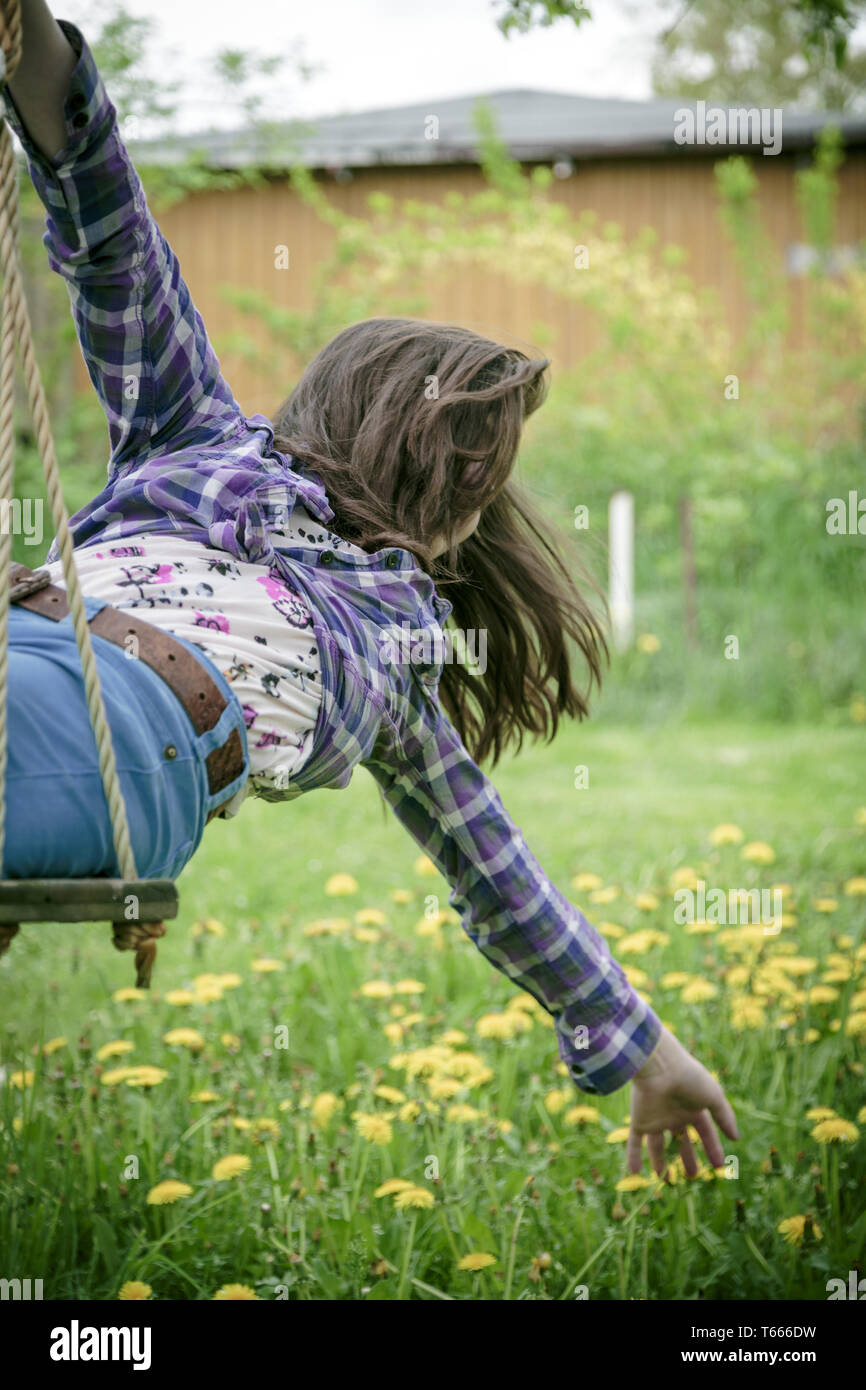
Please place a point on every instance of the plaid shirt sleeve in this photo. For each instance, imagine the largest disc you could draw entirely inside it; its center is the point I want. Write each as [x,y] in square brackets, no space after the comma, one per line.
[513,913]
[143,341]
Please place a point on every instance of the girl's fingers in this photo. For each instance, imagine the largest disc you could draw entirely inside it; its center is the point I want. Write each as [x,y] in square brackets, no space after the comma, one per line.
[633,1150]
[724,1116]
[709,1138]
[688,1155]
[656,1149]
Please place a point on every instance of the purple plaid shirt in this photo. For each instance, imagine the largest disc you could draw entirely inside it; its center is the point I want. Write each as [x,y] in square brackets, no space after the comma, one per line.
[185,459]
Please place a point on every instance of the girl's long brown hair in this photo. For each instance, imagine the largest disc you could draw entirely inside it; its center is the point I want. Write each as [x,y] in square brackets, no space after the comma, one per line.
[413,427]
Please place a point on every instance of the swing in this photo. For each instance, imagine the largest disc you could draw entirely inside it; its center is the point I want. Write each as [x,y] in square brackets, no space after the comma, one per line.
[136,908]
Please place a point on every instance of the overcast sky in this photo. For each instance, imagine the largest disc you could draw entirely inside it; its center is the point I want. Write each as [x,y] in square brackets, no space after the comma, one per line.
[389,52]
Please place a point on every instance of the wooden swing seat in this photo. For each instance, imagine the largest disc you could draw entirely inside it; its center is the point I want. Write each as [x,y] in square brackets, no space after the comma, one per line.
[94,900]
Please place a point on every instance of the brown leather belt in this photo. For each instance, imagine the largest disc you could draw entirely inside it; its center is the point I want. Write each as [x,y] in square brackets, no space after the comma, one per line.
[199,694]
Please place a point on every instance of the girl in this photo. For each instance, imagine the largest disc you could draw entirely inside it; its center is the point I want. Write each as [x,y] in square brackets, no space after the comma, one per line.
[262,572]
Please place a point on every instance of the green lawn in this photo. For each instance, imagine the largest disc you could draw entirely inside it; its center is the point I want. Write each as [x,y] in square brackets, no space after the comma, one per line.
[510,1172]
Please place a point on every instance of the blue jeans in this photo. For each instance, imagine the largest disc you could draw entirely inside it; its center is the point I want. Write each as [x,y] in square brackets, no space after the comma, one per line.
[57,822]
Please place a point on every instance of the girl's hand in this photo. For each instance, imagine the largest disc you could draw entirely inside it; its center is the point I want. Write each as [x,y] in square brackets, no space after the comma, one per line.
[670,1091]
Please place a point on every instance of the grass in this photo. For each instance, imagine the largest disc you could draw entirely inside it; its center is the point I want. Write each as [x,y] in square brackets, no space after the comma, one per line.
[515,1176]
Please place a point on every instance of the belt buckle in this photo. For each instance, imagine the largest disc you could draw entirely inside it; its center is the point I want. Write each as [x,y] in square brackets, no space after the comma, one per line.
[25,582]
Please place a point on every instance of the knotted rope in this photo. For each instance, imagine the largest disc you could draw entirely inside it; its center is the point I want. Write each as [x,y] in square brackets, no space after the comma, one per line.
[16,328]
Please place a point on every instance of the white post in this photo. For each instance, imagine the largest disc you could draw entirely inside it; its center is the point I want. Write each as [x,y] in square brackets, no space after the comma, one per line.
[621,586]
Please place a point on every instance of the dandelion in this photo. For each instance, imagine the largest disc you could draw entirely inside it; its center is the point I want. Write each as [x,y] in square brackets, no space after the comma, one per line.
[675,979]
[134,1292]
[747,1012]
[410,1111]
[323,1108]
[203,1097]
[684,878]
[604,895]
[425,867]
[632,1183]
[391,1186]
[726,834]
[584,883]
[341,886]
[231,1166]
[391,1094]
[646,902]
[128,994]
[821,1112]
[698,991]
[266,965]
[400,895]
[618,1136]
[229,979]
[179,996]
[758,852]
[825,904]
[53,1045]
[234,1293]
[231,1041]
[208,926]
[856,1024]
[117,1048]
[555,1101]
[167,1192]
[414,1197]
[21,1079]
[409,987]
[475,1260]
[502,1026]
[793,1229]
[581,1115]
[835,1131]
[648,643]
[463,1114]
[376,989]
[184,1037]
[453,1037]
[376,1129]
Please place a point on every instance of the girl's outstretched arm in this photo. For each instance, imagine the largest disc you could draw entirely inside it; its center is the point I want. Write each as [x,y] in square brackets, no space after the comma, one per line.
[607,1035]
[144,343]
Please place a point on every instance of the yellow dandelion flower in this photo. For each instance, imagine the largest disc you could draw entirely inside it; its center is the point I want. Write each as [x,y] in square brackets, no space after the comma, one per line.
[425,867]
[825,904]
[855,887]
[584,883]
[617,1136]
[726,834]
[167,1192]
[231,1041]
[409,987]
[234,1293]
[53,1045]
[758,852]
[184,1037]
[463,1114]
[835,1132]
[417,1197]
[208,926]
[683,878]
[475,1260]
[371,917]
[179,996]
[231,1166]
[453,1037]
[604,895]
[822,994]
[556,1101]
[324,1108]
[611,930]
[633,1182]
[821,1112]
[410,1111]
[392,1185]
[376,989]
[341,886]
[502,1026]
[393,1032]
[648,643]
[400,895]
[747,1012]
[675,979]
[376,1129]
[855,1025]
[229,979]
[134,1292]
[266,965]
[116,1048]
[646,902]
[203,1097]
[582,1115]
[128,994]
[698,991]
[444,1087]
[368,935]
[793,1229]
[390,1093]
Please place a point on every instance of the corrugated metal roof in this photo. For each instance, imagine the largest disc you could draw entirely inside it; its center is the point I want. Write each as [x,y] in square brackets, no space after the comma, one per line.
[535,125]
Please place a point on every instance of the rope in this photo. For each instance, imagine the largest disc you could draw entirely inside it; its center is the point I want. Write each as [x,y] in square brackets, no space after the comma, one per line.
[16,327]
